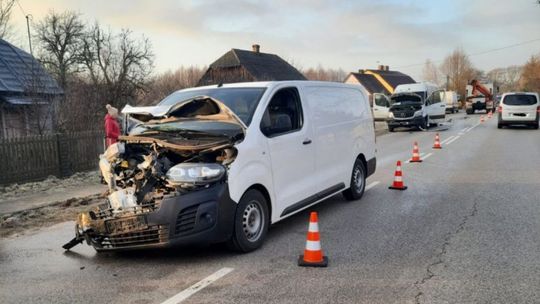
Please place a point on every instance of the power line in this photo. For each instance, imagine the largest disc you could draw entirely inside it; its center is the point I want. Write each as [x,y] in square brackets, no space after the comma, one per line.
[478,53]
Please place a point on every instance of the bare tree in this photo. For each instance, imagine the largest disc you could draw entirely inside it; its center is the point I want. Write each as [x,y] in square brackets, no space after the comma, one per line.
[324,74]
[459,69]
[120,63]
[5,14]
[166,83]
[431,73]
[59,37]
[506,78]
[530,76]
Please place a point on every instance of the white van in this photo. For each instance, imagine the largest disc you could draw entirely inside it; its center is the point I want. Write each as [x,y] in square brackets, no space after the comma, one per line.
[221,163]
[416,105]
[451,99]
[521,108]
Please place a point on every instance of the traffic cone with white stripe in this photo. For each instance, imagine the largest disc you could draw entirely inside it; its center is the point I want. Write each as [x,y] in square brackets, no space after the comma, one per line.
[398,179]
[490,114]
[313,255]
[437,144]
[481,118]
[415,154]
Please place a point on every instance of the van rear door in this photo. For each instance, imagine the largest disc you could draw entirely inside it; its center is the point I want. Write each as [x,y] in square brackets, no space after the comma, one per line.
[287,127]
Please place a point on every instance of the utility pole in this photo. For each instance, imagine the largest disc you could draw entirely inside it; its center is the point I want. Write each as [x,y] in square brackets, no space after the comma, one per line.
[447,82]
[28,17]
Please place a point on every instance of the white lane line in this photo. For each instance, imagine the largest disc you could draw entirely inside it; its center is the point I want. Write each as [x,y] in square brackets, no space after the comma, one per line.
[426,156]
[375,183]
[463,129]
[451,141]
[449,138]
[186,293]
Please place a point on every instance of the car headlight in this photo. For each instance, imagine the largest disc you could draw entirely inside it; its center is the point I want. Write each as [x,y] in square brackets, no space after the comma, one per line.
[390,115]
[418,113]
[195,173]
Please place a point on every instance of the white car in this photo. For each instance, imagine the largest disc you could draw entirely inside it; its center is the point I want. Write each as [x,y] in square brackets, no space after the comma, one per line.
[521,108]
[222,163]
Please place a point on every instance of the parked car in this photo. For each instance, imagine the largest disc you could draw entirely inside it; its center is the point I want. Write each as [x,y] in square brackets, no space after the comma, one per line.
[416,105]
[451,99]
[521,108]
[222,163]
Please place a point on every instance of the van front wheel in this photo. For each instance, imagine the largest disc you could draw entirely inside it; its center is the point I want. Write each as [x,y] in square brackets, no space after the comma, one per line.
[250,223]
[358,182]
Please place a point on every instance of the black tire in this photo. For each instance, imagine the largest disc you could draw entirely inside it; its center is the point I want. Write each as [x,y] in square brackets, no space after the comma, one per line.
[499,125]
[358,182]
[252,203]
[390,129]
[469,111]
[535,126]
[425,124]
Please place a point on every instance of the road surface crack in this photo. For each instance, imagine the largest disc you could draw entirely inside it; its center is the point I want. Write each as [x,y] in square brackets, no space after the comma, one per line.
[439,256]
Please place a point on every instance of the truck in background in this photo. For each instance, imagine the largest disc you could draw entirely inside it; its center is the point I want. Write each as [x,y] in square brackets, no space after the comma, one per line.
[480,97]
[451,98]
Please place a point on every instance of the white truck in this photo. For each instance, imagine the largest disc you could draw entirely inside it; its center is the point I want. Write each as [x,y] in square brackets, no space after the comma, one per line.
[451,98]
[480,97]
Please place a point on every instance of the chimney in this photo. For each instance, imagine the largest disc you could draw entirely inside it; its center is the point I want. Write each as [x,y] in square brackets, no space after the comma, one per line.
[386,68]
[256,48]
[361,71]
[380,67]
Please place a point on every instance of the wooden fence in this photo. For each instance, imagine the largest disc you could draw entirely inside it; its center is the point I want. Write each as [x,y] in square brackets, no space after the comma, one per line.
[34,158]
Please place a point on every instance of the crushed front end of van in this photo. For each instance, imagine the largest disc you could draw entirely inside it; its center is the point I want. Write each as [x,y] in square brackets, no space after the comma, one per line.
[167,179]
[406,111]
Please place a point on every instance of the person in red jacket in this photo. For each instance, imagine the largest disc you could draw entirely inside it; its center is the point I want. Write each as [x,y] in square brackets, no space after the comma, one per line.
[112,127]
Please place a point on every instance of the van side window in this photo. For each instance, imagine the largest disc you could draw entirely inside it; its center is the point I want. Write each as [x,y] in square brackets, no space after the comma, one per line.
[283,114]
[381,100]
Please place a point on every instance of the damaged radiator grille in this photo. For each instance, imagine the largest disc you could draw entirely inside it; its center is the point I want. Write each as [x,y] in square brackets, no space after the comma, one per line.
[185,221]
[151,235]
[106,213]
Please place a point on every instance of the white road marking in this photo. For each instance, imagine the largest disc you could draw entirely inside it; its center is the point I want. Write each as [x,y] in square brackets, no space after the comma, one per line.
[449,138]
[463,129]
[476,125]
[186,293]
[451,141]
[426,156]
[375,183]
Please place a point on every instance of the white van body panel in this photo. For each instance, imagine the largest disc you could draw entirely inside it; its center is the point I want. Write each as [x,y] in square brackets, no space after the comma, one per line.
[338,122]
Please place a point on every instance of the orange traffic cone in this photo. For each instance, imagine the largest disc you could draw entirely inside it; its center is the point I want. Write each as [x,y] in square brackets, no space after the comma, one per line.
[313,255]
[398,179]
[490,114]
[481,118]
[415,154]
[437,144]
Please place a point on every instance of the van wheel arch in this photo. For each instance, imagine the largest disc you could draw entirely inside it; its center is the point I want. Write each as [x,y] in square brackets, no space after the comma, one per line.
[262,189]
[351,193]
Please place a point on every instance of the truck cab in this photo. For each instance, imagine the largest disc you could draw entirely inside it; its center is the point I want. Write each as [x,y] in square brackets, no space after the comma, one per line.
[417,105]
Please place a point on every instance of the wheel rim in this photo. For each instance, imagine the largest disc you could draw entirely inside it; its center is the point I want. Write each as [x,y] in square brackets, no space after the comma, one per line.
[358,179]
[252,221]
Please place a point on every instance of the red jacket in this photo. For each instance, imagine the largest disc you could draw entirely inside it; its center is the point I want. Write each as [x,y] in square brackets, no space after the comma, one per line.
[112,129]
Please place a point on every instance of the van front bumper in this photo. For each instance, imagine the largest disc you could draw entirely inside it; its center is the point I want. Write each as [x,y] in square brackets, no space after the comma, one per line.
[411,122]
[200,217]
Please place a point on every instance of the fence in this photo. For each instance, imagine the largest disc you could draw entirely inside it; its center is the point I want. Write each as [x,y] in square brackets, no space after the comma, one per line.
[36,157]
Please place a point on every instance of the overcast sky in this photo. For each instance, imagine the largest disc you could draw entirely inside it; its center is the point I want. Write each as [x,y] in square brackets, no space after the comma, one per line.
[347,34]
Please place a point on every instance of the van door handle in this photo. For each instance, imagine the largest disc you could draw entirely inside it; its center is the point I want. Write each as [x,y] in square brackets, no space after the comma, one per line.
[306,141]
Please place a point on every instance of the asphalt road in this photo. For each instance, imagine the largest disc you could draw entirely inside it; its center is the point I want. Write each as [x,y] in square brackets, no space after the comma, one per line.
[467,230]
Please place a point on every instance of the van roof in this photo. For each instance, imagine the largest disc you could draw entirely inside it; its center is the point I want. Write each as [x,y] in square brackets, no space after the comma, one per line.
[270,84]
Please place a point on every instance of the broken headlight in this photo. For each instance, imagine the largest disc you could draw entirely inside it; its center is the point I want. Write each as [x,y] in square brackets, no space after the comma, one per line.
[195,173]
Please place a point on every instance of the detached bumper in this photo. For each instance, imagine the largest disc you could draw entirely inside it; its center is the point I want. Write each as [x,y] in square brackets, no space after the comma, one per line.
[412,122]
[203,216]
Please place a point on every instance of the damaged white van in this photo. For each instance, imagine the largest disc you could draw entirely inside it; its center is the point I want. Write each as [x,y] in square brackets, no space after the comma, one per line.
[222,163]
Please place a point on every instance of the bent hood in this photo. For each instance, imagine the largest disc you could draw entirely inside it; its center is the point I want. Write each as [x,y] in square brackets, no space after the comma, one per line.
[181,110]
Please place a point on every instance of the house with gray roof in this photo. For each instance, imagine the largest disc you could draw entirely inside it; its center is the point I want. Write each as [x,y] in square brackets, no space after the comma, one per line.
[27,94]
[246,66]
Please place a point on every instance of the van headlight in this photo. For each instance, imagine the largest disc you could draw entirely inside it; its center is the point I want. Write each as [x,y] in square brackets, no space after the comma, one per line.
[195,173]
[418,113]
[390,115]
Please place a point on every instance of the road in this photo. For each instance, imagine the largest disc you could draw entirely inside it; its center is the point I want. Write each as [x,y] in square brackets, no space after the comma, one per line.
[467,230]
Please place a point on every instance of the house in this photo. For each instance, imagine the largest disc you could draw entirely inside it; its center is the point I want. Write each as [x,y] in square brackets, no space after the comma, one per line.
[380,81]
[28,94]
[246,66]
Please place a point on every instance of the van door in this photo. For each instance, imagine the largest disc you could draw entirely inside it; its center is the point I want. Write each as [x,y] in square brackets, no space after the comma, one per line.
[288,130]
[436,107]
[381,104]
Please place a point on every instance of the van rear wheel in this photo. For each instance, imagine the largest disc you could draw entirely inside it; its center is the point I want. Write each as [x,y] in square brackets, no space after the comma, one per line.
[251,222]
[358,182]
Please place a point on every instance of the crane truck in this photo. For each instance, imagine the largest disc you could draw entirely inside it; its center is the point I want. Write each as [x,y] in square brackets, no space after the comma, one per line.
[480,97]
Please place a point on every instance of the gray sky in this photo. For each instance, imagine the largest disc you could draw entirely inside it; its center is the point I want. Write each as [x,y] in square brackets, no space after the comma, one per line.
[346,34]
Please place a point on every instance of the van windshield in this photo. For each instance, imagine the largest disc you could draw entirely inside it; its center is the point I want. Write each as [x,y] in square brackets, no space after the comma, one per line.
[520,100]
[242,101]
[407,97]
